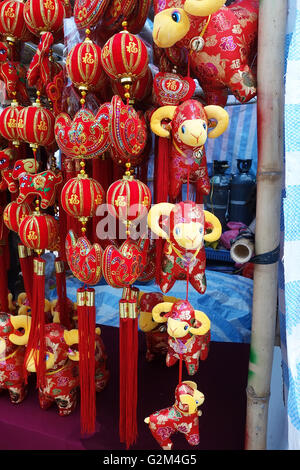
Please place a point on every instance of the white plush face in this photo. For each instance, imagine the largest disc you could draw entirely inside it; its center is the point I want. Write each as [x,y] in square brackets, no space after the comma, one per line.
[189,235]
[193,132]
[177,328]
[170,26]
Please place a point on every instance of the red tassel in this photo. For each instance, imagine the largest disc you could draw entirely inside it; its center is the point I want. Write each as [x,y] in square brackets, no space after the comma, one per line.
[62,300]
[128,342]
[161,192]
[26,263]
[86,326]
[36,347]
[3,284]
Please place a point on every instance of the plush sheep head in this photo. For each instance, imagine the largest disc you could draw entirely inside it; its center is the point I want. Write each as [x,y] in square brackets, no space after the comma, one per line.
[171,25]
[188,223]
[189,122]
[28,165]
[180,317]
[187,397]
[147,302]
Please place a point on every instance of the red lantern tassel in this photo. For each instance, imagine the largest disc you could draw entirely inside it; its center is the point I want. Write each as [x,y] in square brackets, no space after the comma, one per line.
[26,264]
[86,326]
[128,368]
[62,301]
[36,347]
[3,277]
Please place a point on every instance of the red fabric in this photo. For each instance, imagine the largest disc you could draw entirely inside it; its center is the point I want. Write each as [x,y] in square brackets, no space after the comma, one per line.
[164,423]
[36,125]
[115,14]
[42,69]
[128,199]
[14,213]
[226,58]
[171,88]
[137,18]
[8,122]
[41,16]
[12,21]
[128,132]
[54,91]
[84,259]
[88,12]
[83,66]
[123,55]
[39,232]
[123,266]
[80,197]
[140,89]
[86,135]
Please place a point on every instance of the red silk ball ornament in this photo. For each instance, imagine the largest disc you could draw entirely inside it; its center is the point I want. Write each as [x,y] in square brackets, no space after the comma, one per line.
[83,66]
[44,16]
[36,125]
[12,23]
[81,196]
[9,123]
[125,57]
[128,199]
[14,213]
[88,12]
[39,231]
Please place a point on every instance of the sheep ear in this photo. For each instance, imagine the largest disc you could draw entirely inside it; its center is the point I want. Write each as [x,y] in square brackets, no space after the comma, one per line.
[164,112]
[190,401]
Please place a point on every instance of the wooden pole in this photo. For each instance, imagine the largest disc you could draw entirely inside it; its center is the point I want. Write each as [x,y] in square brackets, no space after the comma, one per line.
[270,108]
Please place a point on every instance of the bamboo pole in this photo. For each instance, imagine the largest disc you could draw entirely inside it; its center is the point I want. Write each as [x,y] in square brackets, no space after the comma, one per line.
[270,107]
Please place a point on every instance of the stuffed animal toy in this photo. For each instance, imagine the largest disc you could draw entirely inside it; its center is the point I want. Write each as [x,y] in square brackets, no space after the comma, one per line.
[189,131]
[61,380]
[181,417]
[44,184]
[188,330]
[221,42]
[11,359]
[183,254]
[25,309]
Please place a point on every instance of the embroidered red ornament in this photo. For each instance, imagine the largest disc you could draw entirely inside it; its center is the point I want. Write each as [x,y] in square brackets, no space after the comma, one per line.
[35,125]
[128,132]
[128,199]
[88,12]
[42,16]
[84,259]
[14,213]
[125,58]
[9,123]
[83,66]
[13,27]
[86,135]
[171,88]
[39,231]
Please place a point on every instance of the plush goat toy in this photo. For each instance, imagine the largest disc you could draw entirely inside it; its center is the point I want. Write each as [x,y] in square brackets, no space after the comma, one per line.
[188,330]
[181,417]
[183,252]
[189,130]
[220,40]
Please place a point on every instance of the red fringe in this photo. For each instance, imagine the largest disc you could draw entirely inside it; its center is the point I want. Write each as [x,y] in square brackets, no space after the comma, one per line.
[36,340]
[26,264]
[3,284]
[62,300]
[86,327]
[128,342]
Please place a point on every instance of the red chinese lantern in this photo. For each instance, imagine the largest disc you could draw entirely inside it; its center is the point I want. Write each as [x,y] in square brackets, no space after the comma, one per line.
[39,231]
[83,66]
[81,196]
[14,213]
[44,16]
[9,123]
[128,199]
[12,23]
[35,125]
[125,58]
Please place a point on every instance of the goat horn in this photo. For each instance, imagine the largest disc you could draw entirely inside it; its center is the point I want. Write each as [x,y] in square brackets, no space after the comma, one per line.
[203,7]
[205,324]
[216,232]
[158,309]
[20,321]
[222,118]
[164,112]
[163,208]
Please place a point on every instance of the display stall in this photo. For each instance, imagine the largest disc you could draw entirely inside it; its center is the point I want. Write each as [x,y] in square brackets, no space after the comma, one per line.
[140,193]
